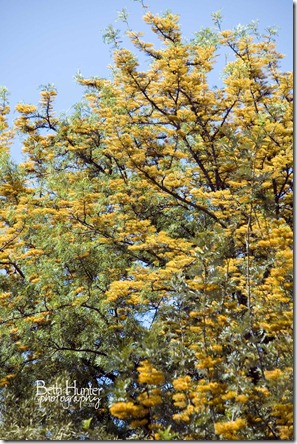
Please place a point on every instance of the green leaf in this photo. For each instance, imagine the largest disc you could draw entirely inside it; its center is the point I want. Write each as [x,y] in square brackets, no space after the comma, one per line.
[86,423]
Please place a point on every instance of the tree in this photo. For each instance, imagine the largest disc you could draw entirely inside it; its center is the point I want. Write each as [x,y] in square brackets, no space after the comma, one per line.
[146,245]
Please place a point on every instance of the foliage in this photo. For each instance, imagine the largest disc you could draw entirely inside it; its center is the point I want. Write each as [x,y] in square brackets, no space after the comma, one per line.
[146,246]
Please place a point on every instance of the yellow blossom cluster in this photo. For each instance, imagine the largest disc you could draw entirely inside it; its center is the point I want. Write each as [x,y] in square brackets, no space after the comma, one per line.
[273,374]
[229,430]
[180,400]
[26,109]
[128,410]
[5,381]
[149,375]
[150,399]
[285,420]
[182,383]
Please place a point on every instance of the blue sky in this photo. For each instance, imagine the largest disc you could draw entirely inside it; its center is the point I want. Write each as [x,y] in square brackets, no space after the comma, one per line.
[48,41]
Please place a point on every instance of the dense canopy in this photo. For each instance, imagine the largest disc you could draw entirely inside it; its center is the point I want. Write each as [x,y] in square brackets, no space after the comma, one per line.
[146,246]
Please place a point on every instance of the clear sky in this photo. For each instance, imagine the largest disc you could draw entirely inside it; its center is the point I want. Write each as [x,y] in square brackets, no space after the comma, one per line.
[48,41]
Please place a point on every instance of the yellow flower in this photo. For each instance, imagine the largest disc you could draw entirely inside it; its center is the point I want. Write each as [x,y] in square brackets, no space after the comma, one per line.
[5,295]
[180,400]
[149,400]
[125,410]
[181,417]
[217,348]
[273,374]
[138,422]
[149,375]
[228,429]
[230,395]
[242,398]
[27,109]
[22,347]
[286,433]
[182,383]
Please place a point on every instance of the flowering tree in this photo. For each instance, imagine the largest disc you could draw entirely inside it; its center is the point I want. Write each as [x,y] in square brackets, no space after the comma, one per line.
[146,245]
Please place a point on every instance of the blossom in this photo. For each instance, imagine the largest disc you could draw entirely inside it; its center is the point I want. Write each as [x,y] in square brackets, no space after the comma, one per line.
[148,374]
[182,383]
[228,429]
[125,410]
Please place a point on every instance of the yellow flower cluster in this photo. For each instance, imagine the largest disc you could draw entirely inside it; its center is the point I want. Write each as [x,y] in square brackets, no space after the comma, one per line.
[185,415]
[127,410]
[180,400]
[4,381]
[181,417]
[182,383]
[149,375]
[138,423]
[208,362]
[286,433]
[217,348]
[218,392]
[242,398]
[150,399]
[38,318]
[262,391]
[228,430]
[5,295]
[229,395]
[21,346]
[285,419]
[26,109]
[273,374]
[32,252]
